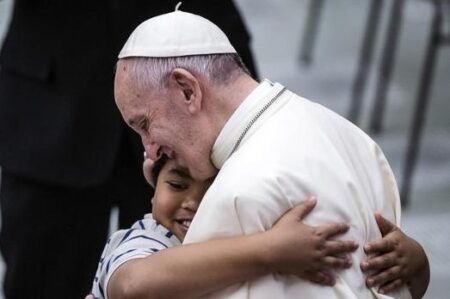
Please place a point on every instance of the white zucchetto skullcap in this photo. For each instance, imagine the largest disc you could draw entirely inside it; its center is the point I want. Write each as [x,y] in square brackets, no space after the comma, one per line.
[176,34]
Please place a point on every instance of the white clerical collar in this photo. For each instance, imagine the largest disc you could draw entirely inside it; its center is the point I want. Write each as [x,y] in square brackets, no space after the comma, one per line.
[242,116]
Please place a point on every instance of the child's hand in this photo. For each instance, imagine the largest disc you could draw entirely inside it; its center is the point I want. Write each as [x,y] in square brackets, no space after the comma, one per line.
[147,167]
[308,251]
[395,260]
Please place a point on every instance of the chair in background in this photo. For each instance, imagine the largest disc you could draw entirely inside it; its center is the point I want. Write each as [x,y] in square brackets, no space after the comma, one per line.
[311,30]
[309,40]
[438,37]
[365,59]
[386,65]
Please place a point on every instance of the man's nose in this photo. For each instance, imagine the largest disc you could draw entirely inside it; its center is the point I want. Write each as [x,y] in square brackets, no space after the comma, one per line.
[153,151]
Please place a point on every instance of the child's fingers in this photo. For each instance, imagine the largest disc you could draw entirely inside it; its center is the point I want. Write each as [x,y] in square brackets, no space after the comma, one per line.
[384,276]
[329,230]
[147,168]
[337,262]
[337,247]
[322,278]
[298,212]
[305,207]
[384,225]
[391,286]
[380,245]
[379,262]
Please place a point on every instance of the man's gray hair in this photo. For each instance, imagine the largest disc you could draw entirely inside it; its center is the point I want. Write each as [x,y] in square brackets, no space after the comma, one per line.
[217,69]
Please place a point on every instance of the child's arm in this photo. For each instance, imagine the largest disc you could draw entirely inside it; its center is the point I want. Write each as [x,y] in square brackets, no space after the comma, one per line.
[396,260]
[190,271]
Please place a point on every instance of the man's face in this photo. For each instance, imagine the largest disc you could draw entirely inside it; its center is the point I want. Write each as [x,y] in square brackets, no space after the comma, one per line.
[163,124]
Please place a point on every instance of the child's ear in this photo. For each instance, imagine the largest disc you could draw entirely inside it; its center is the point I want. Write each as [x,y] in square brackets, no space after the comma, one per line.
[189,86]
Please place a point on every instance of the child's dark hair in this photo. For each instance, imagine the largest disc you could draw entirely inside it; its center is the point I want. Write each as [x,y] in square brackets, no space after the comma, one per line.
[159,164]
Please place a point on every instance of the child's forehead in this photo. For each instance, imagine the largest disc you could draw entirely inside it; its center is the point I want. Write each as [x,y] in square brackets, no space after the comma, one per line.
[172,167]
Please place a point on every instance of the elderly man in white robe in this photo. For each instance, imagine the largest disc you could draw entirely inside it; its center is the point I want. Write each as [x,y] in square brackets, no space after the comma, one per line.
[181,86]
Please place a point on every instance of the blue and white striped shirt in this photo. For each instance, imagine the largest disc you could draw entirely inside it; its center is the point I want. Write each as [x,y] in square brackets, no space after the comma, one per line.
[144,238]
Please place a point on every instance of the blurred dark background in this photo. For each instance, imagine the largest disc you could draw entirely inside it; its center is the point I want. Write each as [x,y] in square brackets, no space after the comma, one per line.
[326,64]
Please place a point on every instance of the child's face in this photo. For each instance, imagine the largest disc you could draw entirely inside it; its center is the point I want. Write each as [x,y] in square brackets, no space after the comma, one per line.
[177,197]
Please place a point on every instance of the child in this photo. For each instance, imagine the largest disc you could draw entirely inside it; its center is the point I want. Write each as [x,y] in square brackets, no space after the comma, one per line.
[132,263]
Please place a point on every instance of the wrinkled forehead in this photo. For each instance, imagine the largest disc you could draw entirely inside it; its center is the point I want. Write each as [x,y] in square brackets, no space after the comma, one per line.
[125,89]
[122,73]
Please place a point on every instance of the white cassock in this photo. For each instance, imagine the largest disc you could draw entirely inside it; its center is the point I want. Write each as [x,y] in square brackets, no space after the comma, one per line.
[292,148]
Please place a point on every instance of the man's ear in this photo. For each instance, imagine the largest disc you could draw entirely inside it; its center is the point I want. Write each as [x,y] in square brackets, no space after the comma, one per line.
[189,85]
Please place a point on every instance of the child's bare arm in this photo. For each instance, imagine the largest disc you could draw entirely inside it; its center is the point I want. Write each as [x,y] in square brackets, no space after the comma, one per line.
[395,260]
[189,271]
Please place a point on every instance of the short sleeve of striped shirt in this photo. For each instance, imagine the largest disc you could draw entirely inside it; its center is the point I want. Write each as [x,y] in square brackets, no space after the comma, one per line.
[144,238]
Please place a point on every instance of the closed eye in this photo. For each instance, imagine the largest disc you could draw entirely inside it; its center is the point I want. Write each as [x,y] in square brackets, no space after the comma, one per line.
[177,186]
[143,125]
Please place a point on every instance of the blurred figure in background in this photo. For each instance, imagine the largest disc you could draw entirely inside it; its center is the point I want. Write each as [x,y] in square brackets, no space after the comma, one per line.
[66,156]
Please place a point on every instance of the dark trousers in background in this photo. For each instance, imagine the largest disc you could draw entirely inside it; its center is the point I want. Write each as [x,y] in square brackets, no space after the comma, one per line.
[52,236]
